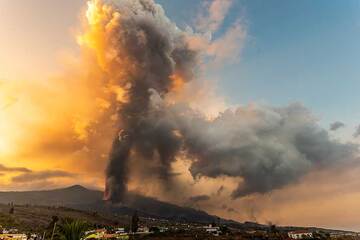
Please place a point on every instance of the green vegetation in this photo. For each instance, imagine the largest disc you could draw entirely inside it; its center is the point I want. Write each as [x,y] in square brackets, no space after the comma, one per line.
[40,219]
[72,230]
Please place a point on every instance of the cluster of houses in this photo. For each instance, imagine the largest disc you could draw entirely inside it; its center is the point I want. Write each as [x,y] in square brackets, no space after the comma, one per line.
[300,234]
[213,230]
[13,234]
[104,234]
[121,233]
[304,234]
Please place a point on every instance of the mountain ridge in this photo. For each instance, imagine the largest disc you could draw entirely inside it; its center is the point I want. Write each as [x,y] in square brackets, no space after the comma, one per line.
[89,201]
[82,198]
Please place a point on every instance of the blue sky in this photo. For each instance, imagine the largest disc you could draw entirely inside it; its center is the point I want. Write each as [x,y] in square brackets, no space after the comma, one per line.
[306,51]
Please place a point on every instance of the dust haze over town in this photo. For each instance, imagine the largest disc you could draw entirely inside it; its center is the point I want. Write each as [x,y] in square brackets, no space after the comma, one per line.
[221,111]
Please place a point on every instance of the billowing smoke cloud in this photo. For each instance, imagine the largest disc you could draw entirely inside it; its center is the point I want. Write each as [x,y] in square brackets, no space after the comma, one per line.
[148,55]
[146,58]
[357,132]
[336,125]
[267,147]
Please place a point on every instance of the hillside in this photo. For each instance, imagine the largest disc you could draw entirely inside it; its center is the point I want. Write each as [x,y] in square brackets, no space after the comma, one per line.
[30,218]
[78,197]
[59,197]
[35,209]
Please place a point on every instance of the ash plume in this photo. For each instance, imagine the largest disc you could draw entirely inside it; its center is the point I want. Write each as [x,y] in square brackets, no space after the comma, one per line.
[154,55]
[145,55]
[336,125]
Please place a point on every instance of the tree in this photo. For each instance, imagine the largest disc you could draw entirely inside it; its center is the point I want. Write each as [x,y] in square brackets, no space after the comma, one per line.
[224,229]
[273,228]
[154,229]
[134,222]
[72,230]
[12,210]
[54,221]
[274,232]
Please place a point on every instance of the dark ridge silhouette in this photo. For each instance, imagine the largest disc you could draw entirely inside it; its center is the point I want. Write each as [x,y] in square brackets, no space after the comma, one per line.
[81,198]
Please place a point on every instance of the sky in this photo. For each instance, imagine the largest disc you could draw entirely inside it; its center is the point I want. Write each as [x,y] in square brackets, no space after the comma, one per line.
[284,52]
[303,51]
[294,51]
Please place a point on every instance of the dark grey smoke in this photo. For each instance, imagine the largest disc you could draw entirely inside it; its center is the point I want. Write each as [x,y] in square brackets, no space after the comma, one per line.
[357,132]
[199,198]
[336,125]
[156,50]
[267,147]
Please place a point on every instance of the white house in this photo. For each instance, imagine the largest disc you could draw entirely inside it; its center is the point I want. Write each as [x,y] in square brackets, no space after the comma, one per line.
[213,230]
[300,234]
[120,230]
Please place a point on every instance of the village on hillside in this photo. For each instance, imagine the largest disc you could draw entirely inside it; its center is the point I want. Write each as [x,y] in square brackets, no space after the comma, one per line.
[18,224]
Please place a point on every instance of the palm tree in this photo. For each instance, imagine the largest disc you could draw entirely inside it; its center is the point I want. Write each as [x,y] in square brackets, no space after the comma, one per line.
[72,230]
